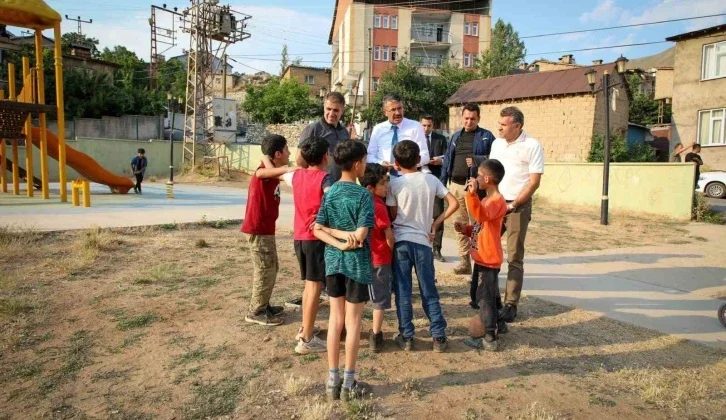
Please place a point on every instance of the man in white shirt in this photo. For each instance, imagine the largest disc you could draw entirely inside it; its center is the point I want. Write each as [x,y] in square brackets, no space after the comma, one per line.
[523,160]
[387,134]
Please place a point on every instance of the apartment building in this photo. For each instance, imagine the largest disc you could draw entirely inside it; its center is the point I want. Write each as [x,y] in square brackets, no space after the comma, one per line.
[369,36]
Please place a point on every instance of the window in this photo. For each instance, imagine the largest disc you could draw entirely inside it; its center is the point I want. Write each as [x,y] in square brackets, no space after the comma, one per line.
[376,82]
[467,60]
[473,60]
[467,28]
[711,127]
[714,61]
[377,21]
[385,21]
[384,56]
[309,79]
[377,53]
[394,22]
[394,53]
[475,29]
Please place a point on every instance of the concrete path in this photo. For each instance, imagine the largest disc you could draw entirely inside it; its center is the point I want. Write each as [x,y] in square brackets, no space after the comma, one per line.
[669,288]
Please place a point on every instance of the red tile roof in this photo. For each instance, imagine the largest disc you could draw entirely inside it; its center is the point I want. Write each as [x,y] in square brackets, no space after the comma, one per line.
[530,85]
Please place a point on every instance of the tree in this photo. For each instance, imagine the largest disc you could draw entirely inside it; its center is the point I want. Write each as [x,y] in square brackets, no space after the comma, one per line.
[279,101]
[505,52]
[643,110]
[133,72]
[172,78]
[620,151]
[285,60]
[450,79]
[72,38]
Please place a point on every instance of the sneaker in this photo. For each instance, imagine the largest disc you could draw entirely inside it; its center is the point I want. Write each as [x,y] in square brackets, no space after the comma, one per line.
[298,336]
[404,343]
[375,341]
[482,343]
[276,310]
[264,318]
[508,313]
[136,190]
[439,257]
[295,303]
[357,391]
[473,306]
[315,345]
[502,327]
[333,391]
[440,344]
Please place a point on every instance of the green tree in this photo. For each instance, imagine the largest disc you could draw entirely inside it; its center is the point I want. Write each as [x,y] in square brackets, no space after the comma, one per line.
[284,59]
[643,110]
[69,39]
[505,52]
[279,101]
[450,79]
[619,150]
[173,78]
[133,72]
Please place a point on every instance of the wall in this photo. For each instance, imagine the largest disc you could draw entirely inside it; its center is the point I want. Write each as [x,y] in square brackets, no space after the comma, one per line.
[141,127]
[485,33]
[655,188]
[113,155]
[321,78]
[246,157]
[691,95]
[618,115]
[292,132]
[664,84]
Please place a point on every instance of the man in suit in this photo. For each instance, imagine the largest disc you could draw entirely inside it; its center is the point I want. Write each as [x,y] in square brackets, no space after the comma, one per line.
[437,149]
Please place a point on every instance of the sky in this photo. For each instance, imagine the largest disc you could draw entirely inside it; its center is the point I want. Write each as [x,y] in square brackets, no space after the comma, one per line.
[304,25]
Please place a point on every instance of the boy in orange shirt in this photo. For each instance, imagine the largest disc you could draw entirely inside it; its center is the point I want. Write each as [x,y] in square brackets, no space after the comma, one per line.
[486,249]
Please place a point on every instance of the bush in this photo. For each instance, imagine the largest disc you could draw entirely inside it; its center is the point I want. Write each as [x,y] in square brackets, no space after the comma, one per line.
[619,150]
[702,211]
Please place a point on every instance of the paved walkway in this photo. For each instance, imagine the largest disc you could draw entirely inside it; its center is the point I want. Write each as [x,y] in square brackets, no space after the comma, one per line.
[669,288]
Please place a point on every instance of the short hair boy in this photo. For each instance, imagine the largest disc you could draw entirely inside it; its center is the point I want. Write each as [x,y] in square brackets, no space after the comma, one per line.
[138,167]
[261,212]
[410,198]
[375,181]
[308,187]
[486,249]
[343,223]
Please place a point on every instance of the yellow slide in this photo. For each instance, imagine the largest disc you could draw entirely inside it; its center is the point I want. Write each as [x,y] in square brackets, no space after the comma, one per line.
[85,165]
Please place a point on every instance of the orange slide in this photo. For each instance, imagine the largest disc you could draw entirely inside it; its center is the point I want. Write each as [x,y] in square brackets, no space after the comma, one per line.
[85,165]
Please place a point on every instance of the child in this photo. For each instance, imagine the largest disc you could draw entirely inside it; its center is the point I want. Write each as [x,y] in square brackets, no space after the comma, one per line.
[343,223]
[308,186]
[486,248]
[375,181]
[410,198]
[263,207]
[138,167]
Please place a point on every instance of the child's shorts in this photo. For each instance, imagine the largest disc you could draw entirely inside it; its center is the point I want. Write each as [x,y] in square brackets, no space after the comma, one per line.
[381,291]
[311,258]
[339,285]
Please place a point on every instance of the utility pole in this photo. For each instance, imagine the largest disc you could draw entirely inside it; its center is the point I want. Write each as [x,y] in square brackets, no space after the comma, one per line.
[159,35]
[80,21]
[224,78]
[370,66]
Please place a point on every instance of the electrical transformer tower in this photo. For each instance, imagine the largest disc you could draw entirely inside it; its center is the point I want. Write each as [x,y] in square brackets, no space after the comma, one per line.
[212,28]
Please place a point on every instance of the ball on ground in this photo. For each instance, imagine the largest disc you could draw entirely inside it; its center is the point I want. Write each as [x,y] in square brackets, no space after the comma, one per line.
[476,328]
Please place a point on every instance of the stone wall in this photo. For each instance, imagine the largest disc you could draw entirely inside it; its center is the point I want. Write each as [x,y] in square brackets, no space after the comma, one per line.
[563,125]
[136,127]
[292,132]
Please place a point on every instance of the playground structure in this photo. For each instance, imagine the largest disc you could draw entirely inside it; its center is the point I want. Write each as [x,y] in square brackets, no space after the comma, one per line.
[17,110]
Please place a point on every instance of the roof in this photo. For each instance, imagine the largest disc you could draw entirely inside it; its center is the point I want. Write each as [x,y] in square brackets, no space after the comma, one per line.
[530,85]
[697,34]
[28,14]
[325,69]
[663,59]
[332,25]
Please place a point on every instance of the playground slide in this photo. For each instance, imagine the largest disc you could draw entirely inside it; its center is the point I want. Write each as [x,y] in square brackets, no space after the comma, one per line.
[85,165]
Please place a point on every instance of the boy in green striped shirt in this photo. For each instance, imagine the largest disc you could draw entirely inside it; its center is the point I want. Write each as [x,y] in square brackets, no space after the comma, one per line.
[344,222]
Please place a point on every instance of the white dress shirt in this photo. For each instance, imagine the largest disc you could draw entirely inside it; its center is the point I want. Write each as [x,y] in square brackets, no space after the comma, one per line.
[520,158]
[379,147]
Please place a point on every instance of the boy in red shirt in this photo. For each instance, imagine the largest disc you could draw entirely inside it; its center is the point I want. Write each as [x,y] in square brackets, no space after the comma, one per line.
[308,186]
[375,181]
[263,207]
[486,249]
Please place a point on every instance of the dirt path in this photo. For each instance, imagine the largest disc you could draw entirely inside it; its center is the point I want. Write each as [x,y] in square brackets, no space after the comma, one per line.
[142,323]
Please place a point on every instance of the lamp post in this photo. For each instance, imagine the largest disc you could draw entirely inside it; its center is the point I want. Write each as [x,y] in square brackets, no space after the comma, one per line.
[170,183]
[605,87]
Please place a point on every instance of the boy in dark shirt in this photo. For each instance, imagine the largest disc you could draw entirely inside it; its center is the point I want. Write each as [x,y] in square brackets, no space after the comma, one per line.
[695,158]
[138,167]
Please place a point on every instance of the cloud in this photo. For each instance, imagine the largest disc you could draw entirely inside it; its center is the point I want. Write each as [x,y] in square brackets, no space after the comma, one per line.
[677,9]
[605,11]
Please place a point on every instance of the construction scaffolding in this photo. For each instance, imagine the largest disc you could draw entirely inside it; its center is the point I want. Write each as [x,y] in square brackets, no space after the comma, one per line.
[212,28]
[161,35]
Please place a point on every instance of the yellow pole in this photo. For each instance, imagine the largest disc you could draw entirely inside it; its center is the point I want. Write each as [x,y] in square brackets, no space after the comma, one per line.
[3,165]
[12,96]
[74,192]
[28,85]
[41,100]
[61,112]
[86,193]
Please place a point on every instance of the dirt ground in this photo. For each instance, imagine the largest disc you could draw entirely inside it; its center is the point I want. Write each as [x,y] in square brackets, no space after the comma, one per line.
[148,323]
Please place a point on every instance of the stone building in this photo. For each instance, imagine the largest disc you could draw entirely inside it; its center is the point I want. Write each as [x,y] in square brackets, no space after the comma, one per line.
[560,110]
[314,77]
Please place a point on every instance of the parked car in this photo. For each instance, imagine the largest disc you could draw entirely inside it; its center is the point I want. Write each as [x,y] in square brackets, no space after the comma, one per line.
[713,184]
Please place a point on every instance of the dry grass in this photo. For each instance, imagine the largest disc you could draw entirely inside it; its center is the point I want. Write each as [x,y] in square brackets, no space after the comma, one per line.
[535,412]
[165,337]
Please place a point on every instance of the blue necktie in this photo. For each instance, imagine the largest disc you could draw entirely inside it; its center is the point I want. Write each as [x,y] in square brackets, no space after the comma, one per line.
[394,142]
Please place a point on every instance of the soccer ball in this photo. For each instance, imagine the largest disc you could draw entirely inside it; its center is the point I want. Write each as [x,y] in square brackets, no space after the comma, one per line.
[476,328]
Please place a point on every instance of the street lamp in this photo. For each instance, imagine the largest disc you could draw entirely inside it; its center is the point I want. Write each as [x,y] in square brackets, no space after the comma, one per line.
[605,87]
[338,87]
[170,183]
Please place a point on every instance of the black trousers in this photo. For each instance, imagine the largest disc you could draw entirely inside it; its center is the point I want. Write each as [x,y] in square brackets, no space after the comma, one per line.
[439,236]
[488,297]
[139,179]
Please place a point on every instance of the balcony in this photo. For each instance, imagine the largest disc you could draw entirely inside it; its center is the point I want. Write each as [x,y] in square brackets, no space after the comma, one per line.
[430,34]
[430,61]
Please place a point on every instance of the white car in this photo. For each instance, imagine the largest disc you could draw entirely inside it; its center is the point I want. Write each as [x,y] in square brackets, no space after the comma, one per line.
[713,184]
